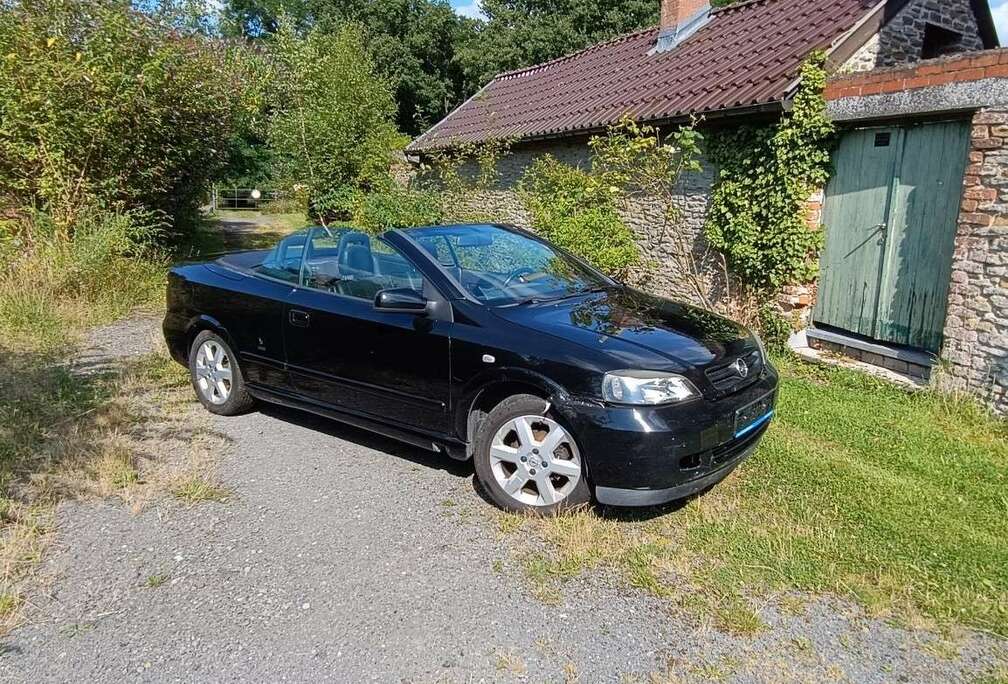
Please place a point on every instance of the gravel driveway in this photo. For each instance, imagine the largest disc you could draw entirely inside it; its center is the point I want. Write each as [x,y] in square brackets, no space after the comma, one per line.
[344,556]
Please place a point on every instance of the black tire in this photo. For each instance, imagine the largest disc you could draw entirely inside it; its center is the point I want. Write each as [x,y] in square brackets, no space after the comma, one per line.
[238,399]
[508,410]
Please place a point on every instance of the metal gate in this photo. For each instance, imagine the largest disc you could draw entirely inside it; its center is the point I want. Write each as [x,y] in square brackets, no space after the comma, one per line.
[890,215]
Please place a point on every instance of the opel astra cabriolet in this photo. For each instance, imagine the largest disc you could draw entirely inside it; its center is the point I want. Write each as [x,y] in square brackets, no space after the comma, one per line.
[482,342]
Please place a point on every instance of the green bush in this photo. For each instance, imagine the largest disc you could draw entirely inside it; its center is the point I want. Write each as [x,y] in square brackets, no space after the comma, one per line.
[570,207]
[774,328]
[99,102]
[397,207]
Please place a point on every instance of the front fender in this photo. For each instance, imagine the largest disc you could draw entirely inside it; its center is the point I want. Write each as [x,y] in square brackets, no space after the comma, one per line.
[495,377]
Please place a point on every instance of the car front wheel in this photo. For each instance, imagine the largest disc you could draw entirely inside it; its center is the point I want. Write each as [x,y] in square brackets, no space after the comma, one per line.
[216,376]
[527,461]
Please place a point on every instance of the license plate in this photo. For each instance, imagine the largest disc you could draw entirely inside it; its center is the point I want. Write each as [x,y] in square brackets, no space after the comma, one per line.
[752,416]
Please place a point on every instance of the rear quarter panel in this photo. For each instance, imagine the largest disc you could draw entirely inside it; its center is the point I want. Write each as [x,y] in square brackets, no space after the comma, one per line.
[245,310]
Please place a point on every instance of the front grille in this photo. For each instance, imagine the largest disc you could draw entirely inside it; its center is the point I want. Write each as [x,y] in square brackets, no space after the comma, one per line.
[727,377]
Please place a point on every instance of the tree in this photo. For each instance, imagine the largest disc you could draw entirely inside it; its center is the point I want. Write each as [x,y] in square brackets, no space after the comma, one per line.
[332,132]
[412,43]
[518,33]
[435,58]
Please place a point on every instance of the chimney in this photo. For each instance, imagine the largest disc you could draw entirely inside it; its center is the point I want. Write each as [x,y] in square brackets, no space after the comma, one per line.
[679,20]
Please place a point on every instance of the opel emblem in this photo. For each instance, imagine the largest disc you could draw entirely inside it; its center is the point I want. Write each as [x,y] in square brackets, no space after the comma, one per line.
[741,368]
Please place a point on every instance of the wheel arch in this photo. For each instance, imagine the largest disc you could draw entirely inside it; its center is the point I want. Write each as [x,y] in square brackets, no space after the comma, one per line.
[491,390]
[201,322]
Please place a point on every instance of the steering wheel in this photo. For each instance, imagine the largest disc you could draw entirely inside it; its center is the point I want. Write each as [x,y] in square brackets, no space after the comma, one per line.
[518,272]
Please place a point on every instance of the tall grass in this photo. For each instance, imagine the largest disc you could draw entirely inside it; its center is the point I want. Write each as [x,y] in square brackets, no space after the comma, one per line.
[55,281]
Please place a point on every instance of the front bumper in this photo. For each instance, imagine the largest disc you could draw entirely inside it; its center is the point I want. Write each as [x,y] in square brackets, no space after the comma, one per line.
[614,496]
[648,455]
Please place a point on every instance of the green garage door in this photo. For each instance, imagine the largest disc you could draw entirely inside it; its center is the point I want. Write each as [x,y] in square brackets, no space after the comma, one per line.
[890,216]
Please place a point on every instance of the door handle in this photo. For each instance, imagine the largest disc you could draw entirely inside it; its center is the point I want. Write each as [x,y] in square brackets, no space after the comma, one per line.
[299,318]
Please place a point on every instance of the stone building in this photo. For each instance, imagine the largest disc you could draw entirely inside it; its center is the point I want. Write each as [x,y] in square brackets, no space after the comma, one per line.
[740,64]
[969,92]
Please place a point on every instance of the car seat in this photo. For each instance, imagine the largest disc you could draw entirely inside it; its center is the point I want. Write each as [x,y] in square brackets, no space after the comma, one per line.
[355,256]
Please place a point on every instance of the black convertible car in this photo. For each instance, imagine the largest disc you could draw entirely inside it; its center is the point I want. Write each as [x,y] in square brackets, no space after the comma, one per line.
[481,342]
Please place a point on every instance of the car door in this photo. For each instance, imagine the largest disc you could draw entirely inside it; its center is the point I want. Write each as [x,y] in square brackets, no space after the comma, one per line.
[344,353]
[250,305]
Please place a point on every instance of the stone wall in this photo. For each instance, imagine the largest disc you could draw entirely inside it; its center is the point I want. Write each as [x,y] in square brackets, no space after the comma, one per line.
[976,330]
[901,40]
[640,214]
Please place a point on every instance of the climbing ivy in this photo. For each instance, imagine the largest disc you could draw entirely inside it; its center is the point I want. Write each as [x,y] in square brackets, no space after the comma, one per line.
[758,213]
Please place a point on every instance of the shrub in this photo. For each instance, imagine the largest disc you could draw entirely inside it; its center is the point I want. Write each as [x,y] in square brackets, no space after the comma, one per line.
[397,207]
[99,102]
[774,328]
[573,209]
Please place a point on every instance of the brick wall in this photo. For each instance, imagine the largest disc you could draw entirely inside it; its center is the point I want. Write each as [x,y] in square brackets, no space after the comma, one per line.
[976,330]
[975,66]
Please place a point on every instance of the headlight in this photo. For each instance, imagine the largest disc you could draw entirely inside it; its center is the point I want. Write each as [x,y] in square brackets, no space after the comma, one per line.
[762,348]
[646,387]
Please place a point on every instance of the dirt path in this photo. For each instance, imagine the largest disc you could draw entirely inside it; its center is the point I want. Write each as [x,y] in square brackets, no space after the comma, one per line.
[342,556]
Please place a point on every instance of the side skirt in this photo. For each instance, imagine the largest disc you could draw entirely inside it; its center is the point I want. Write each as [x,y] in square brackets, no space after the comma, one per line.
[441,444]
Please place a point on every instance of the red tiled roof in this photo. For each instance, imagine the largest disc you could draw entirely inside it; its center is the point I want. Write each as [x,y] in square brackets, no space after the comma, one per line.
[746,55]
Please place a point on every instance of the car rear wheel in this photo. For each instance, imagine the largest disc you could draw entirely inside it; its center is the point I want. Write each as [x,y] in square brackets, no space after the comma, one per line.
[216,377]
[527,461]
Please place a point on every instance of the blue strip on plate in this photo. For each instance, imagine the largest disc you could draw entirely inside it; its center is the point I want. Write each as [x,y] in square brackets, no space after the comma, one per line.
[755,425]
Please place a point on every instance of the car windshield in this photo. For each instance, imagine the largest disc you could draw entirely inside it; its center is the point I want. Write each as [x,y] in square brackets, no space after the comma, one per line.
[501,267]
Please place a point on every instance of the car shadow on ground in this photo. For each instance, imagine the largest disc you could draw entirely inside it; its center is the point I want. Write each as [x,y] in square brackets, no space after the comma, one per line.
[440,461]
[370,440]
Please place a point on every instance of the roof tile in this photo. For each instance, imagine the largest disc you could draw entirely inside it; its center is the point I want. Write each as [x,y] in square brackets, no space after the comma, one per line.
[746,55]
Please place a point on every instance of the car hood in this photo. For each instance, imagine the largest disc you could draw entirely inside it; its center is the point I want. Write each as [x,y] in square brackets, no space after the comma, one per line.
[638,327]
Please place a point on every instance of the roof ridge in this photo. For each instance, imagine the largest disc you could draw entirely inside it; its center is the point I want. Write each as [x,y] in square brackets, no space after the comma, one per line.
[744,59]
[572,55]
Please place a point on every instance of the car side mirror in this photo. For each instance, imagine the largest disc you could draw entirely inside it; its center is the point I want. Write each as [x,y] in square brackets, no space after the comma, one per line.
[401,300]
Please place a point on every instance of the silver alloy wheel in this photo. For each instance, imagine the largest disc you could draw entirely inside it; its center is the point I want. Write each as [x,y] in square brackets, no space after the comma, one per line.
[213,372]
[535,461]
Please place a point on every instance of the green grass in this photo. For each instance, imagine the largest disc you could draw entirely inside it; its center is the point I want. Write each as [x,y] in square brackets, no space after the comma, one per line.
[197,488]
[897,500]
[229,231]
[155,581]
[53,287]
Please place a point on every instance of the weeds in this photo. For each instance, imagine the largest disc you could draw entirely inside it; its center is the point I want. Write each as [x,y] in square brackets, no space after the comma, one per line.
[511,662]
[196,488]
[54,284]
[155,581]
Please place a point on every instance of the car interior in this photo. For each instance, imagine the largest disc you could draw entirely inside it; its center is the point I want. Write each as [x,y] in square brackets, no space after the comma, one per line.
[495,266]
[352,264]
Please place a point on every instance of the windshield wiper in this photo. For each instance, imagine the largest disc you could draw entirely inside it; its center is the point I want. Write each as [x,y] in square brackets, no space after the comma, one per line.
[575,293]
[578,293]
[530,300]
